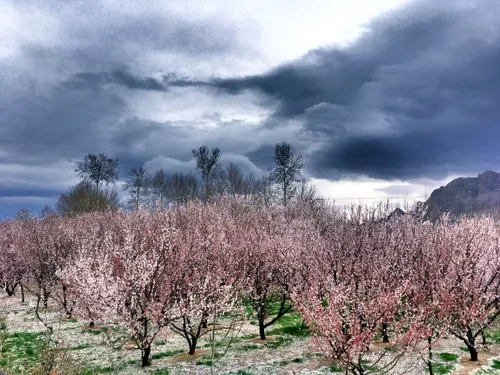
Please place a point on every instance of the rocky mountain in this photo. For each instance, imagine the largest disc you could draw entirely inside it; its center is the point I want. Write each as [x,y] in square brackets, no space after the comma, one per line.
[466,196]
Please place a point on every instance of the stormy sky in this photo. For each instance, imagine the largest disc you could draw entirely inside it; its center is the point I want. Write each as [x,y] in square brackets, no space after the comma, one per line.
[382,98]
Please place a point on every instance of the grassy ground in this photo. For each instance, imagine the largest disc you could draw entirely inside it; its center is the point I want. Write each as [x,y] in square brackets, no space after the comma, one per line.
[73,349]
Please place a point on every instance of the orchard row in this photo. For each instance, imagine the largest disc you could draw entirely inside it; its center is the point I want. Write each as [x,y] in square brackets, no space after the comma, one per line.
[351,277]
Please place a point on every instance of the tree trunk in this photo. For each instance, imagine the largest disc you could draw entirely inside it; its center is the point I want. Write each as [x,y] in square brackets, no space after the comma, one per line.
[204,322]
[46,299]
[68,310]
[10,289]
[471,345]
[262,332]
[385,336]
[98,200]
[192,345]
[22,293]
[145,353]
[284,194]
[358,368]
[472,352]
[429,356]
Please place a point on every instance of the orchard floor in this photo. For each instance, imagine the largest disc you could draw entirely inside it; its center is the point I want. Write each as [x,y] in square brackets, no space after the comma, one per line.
[288,349]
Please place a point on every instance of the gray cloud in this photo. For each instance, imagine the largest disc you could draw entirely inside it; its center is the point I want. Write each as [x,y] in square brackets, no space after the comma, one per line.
[262,156]
[56,99]
[120,77]
[68,80]
[398,190]
[416,96]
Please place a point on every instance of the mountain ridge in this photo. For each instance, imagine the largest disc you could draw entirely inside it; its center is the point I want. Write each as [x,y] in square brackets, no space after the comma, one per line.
[465,196]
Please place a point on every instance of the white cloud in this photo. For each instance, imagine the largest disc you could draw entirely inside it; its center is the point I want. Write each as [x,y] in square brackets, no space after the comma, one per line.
[169,165]
[369,191]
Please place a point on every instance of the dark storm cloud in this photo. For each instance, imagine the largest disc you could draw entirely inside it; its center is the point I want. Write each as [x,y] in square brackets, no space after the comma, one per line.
[62,124]
[119,77]
[436,153]
[53,102]
[262,156]
[417,95]
[19,191]
[65,87]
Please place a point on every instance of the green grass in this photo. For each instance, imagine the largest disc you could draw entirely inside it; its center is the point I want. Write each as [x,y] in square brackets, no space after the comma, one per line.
[295,360]
[247,347]
[487,372]
[22,349]
[492,336]
[80,347]
[442,368]
[208,360]
[234,341]
[109,369]
[495,364]
[334,368]
[93,331]
[311,355]
[448,357]
[170,353]
[204,362]
[248,337]
[446,364]
[104,370]
[161,371]
[273,305]
[248,307]
[290,324]
[278,342]
[297,331]
[3,324]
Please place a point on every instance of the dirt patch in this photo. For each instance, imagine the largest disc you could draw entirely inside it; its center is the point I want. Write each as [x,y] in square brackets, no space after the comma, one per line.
[320,362]
[466,366]
[185,357]
[379,346]
[212,328]
[130,345]
[260,341]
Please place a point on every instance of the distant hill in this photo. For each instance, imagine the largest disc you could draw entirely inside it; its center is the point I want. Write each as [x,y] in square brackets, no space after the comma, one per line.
[466,196]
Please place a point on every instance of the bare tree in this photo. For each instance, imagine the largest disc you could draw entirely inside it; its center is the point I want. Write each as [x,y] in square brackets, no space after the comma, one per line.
[209,166]
[250,185]
[306,192]
[137,186]
[286,171]
[24,215]
[157,186]
[81,199]
[237,184]
[98,169]
[262,191]
[181,188]
[234,180]
[47,211]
